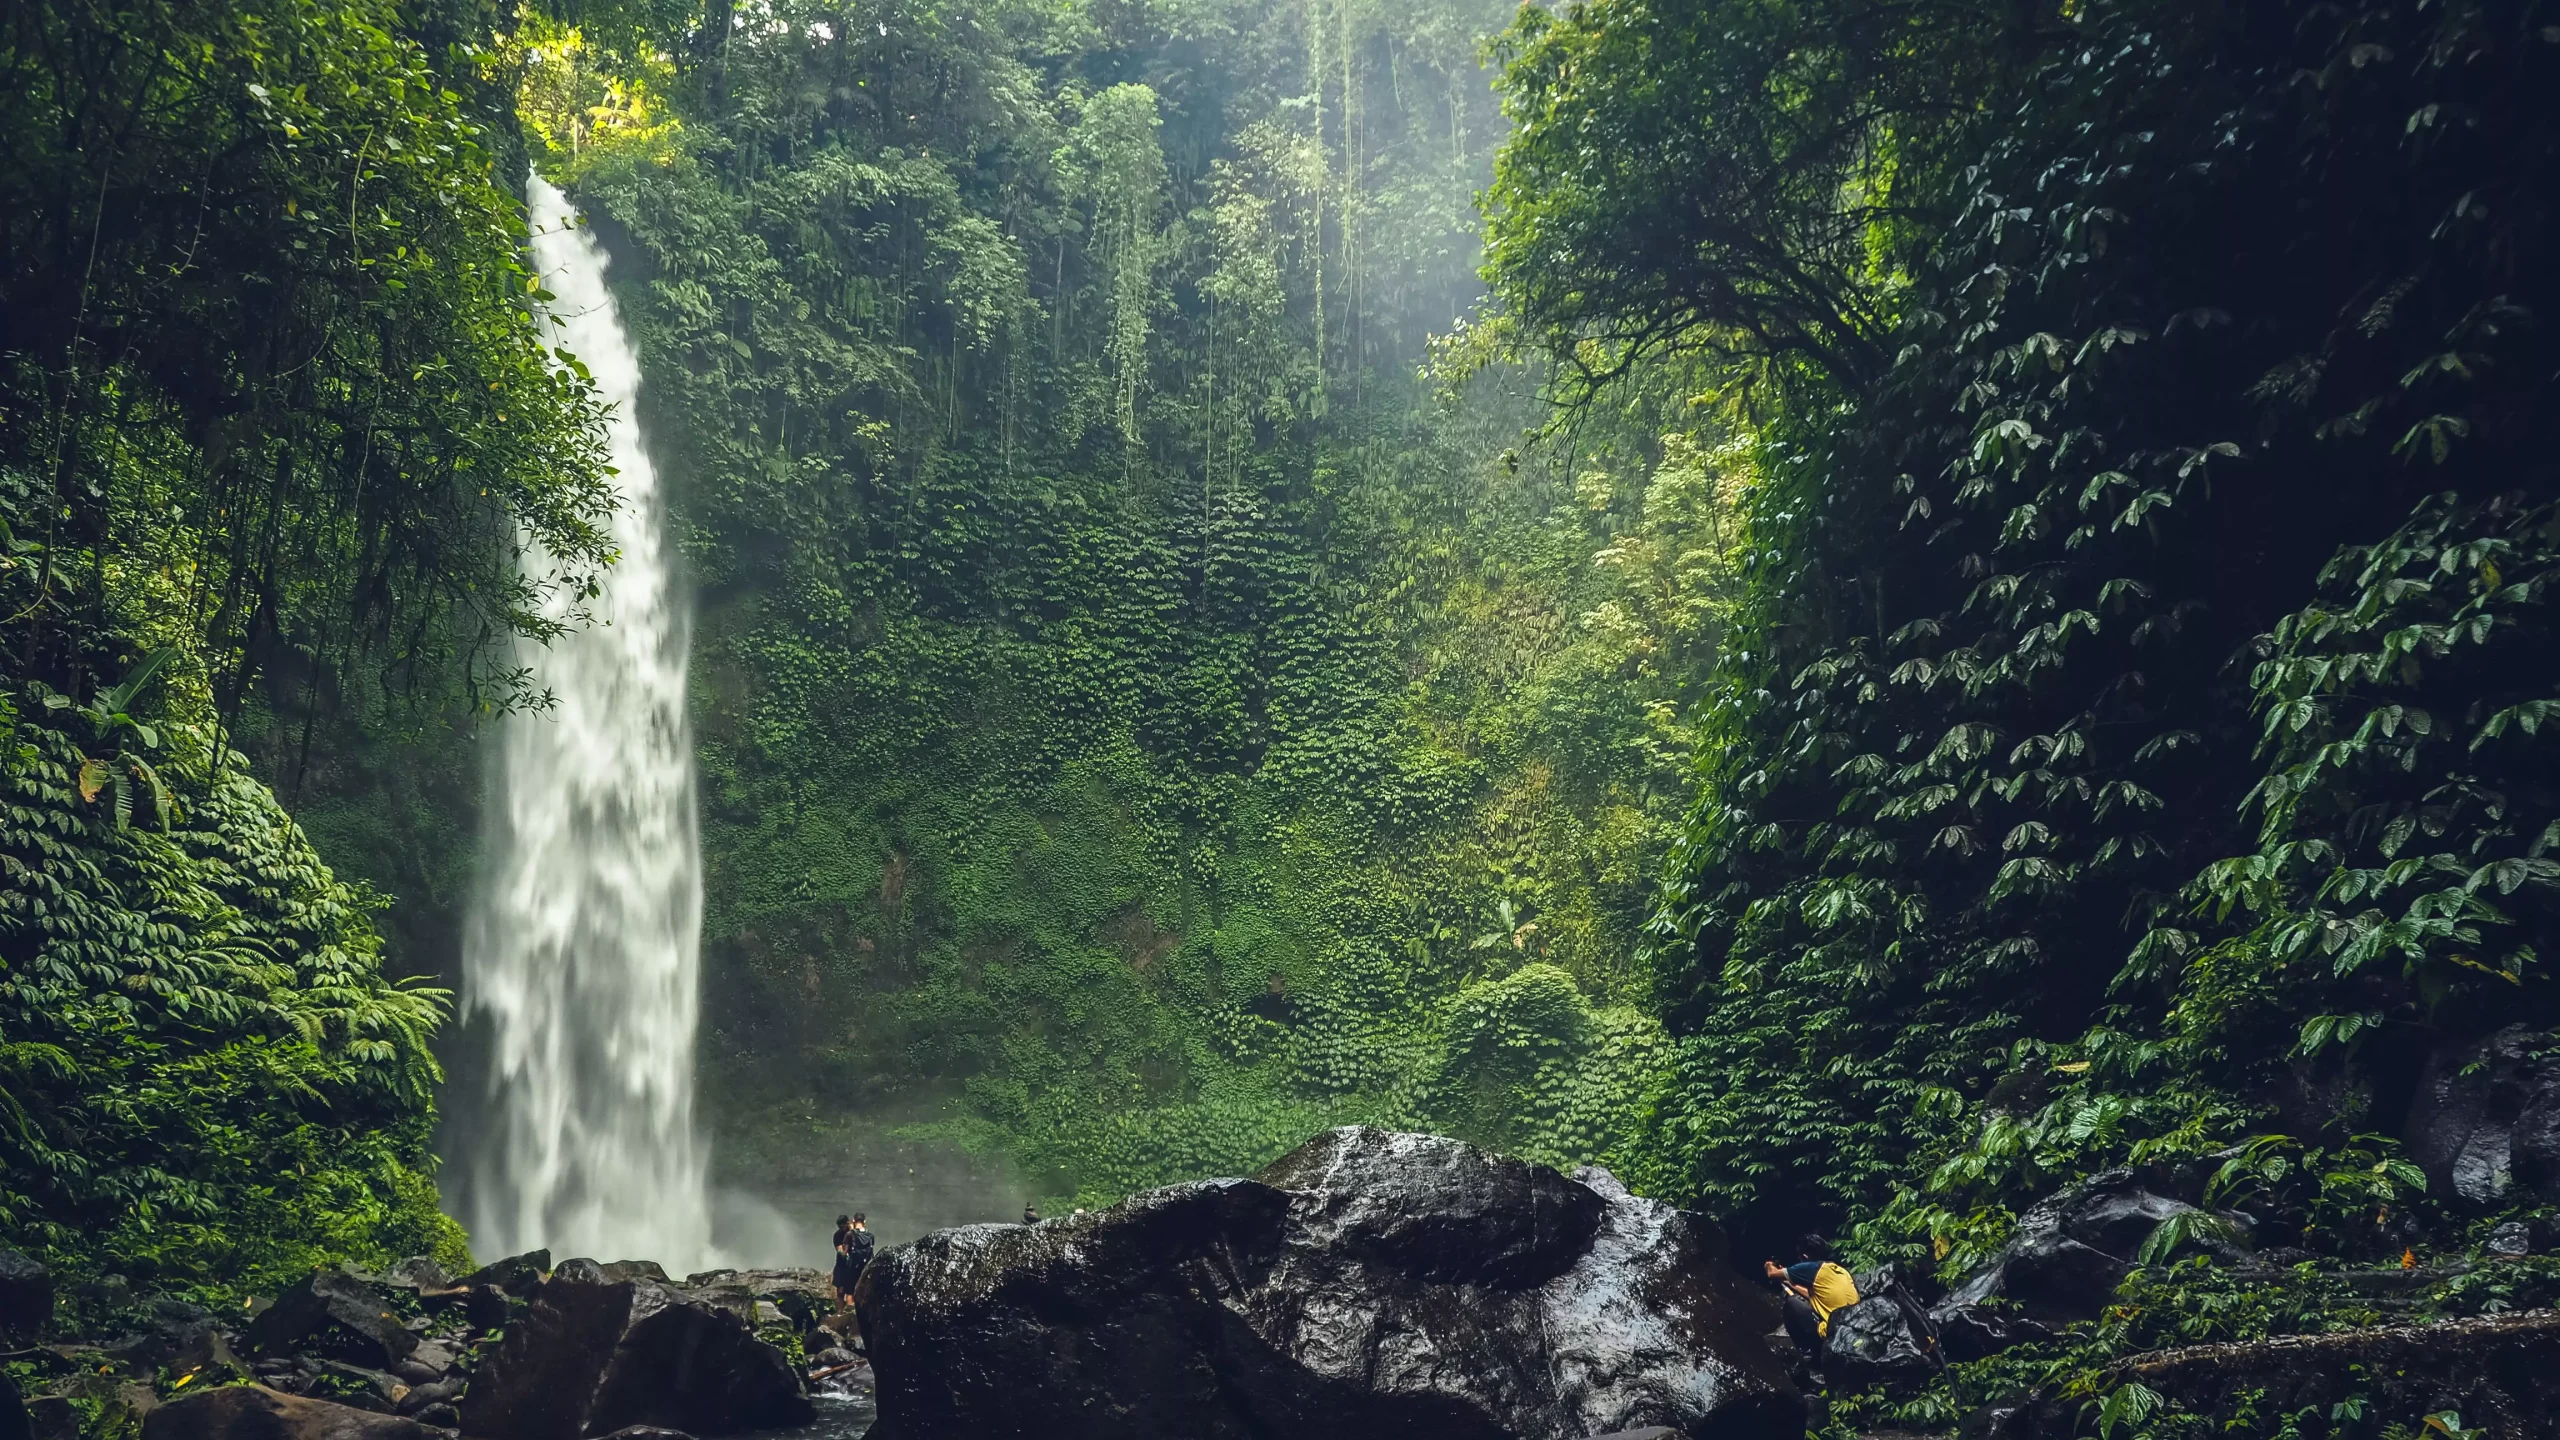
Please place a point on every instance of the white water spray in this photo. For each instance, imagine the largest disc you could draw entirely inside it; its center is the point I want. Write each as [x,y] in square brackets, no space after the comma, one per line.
[584,945]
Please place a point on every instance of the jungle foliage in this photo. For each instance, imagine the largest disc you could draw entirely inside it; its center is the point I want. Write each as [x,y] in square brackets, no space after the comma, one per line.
[1144,721]
[2129,736]
[273,418]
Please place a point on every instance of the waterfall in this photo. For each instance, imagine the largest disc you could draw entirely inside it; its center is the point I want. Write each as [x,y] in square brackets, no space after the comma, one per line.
[582,955]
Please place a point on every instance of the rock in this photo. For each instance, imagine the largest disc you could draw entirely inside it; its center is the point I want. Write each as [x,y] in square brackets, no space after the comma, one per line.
[174,1335]
[335,1313]
[647,1432]
[421,1273]
[26,1297]
[428,1362]
[1886,1339]
[1650,1432]
[254,1412]
[132,1399]
[2512,1240]
[379,1387]
[579,1271]
[802,1296]
[15,1423]
[593,1357]
[635,1270]
[2486,1120]
[1368,1284]
[53,1417]
[486,1308]
[1976,1331]
[437,1392]
[442,1417]
[2071,1250]
[1438,1211]
[2501,1371]
[518,1275]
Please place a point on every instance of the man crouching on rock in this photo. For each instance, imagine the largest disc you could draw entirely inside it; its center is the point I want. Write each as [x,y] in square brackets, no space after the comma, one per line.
[1814,1288]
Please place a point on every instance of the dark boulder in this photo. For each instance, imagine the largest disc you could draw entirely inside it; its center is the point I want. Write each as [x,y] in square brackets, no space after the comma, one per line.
[15,1422]
[363,1386]
[2486,1120]
[26,1297]
[419,1272]
[518,1275]
[254,1412]
[53,1417]
[426,1363]
[1437,1210]
[1886,1339]
[1369,1284]
[486,1307]
[336,1313]
[593,1357]
[802,1296]
[2070,1252]
[434,1392]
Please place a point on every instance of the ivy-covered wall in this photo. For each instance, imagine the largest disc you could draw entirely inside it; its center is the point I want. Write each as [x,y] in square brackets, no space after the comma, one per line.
[1143,720]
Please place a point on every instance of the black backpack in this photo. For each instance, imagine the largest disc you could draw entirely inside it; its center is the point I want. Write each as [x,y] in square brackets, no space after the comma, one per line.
[857,1250]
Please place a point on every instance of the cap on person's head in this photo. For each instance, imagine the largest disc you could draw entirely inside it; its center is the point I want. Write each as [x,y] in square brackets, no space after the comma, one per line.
[859,1217]
[844,1219]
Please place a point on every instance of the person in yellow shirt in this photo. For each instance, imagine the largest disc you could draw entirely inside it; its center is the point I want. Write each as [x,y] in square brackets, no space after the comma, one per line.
[1814,1288]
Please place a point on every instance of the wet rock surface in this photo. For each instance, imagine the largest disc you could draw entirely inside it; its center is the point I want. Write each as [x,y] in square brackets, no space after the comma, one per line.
[1887,1338]
[588,1349]
[1368,1284]
[2485,1124]
[2070,1252]
[593,1356]
[15,1422]
[337,1313]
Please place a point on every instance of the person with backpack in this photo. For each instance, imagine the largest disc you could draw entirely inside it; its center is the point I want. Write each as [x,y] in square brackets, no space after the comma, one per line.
[853,1251]
[1814,1288]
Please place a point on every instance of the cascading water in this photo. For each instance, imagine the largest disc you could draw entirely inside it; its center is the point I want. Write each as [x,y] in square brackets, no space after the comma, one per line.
[583,952]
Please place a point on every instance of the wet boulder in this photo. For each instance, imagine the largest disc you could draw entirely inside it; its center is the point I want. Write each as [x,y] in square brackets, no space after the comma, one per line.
[803,1296]
[1886,1339]
[1368,1284]
[15,1422]
[2069,1254]
[334,1313]
[594,1356]
[2485,1124]
[254,1412]
[431,1394]
[420,1273]
[26,1297]
[517,1275]
[53,1417]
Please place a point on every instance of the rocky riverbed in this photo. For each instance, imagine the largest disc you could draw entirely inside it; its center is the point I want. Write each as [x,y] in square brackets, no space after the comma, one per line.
[519,1350]
[1369,1284]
